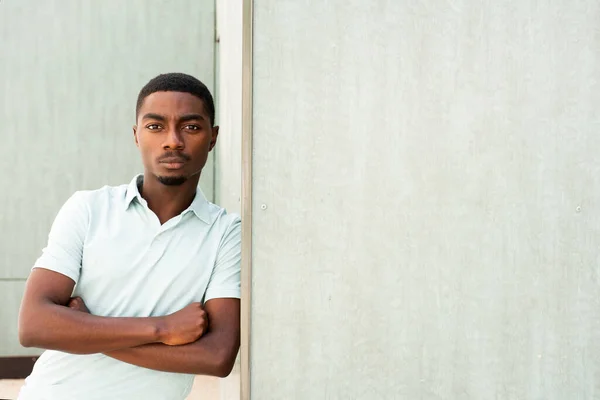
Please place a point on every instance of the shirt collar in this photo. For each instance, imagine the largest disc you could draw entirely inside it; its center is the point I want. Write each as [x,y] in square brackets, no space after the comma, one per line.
[133,190]
[199,206]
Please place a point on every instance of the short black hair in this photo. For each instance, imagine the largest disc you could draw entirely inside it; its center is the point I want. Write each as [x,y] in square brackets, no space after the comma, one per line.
[178,82]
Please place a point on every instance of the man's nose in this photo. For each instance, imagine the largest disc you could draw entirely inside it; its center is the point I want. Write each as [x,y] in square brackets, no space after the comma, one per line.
[174,140]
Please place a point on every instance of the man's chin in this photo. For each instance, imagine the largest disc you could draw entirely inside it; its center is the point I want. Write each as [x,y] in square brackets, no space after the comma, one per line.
[172,180]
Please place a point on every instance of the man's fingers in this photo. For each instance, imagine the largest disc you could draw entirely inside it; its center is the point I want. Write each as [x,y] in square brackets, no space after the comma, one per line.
[77,303]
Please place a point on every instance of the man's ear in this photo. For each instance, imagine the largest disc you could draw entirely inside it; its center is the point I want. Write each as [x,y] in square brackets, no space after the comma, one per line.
[213,140]
[135,135]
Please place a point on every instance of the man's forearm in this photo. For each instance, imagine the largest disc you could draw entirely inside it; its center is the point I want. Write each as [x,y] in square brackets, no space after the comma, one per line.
[207,356]
[56,327]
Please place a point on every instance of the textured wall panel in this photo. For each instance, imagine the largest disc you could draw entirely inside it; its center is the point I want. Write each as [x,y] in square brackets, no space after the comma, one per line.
[70,72]
[426,218]
[10,298]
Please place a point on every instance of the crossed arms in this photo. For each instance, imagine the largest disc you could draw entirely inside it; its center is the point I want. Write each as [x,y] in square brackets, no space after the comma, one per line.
[183,342]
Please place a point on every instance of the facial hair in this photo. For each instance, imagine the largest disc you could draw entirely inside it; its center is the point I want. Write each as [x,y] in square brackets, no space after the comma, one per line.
[172,180]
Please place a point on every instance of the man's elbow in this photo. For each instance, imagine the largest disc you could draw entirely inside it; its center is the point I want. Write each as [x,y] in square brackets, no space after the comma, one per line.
[223,369]
[30,332]
[26,336]
[27,327]
[25,340]
[224,364]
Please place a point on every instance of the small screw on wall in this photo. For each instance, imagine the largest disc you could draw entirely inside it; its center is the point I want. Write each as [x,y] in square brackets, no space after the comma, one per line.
[263,207]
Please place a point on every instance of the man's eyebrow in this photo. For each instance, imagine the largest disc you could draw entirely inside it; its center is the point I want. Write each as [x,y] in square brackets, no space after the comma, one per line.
[190,117]
[157,117]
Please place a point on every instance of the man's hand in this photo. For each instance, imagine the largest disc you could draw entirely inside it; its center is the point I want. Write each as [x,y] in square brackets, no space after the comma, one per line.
[46,321]
[213,354]
[77,304]
[184,326]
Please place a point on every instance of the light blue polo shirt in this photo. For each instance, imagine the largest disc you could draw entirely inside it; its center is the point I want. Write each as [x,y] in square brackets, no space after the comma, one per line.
[125,264]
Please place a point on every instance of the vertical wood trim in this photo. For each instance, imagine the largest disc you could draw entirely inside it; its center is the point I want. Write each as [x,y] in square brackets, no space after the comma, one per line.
[246,201]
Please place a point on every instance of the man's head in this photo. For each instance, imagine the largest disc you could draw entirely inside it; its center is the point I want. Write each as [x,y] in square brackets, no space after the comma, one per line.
[174,130]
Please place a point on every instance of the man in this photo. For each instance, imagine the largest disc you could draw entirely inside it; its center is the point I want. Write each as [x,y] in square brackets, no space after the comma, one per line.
[138,288]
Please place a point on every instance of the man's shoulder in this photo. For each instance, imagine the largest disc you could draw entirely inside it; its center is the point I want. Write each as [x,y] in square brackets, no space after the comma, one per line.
[101,197]
[220,216]
[227,222]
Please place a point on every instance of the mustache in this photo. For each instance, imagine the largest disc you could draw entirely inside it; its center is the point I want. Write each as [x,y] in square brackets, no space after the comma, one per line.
[173,155]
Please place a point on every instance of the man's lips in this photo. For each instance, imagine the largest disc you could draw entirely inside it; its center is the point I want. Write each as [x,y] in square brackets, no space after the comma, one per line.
[173,162]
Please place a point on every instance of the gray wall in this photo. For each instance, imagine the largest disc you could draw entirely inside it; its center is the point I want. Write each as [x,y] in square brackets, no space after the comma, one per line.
[70,72]
[430,175]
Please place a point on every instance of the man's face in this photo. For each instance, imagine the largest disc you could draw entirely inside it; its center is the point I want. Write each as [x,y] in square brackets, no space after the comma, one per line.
[174,134]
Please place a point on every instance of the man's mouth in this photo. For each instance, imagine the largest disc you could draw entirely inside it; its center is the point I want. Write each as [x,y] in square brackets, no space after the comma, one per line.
[173,162]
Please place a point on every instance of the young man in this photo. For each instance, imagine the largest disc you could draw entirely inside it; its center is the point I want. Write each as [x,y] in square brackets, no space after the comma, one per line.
[138,288]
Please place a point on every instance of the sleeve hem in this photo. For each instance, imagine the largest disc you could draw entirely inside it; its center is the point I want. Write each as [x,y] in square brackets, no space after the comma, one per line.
[68,274]
[222,294]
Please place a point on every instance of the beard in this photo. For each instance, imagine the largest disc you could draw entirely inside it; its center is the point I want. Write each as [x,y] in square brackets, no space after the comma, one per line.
[172,180]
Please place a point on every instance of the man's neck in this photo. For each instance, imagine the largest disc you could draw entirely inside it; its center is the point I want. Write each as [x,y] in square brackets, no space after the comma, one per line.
[168,201]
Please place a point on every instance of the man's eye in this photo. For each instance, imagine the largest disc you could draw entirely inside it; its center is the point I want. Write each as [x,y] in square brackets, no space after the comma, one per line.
[153,127]
[192,127]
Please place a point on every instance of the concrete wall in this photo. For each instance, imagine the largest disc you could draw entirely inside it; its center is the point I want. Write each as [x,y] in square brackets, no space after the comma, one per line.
[70,72]
[425,213]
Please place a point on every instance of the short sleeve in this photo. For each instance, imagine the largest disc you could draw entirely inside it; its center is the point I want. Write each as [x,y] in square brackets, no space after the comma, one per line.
[64,250]
[225,279]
